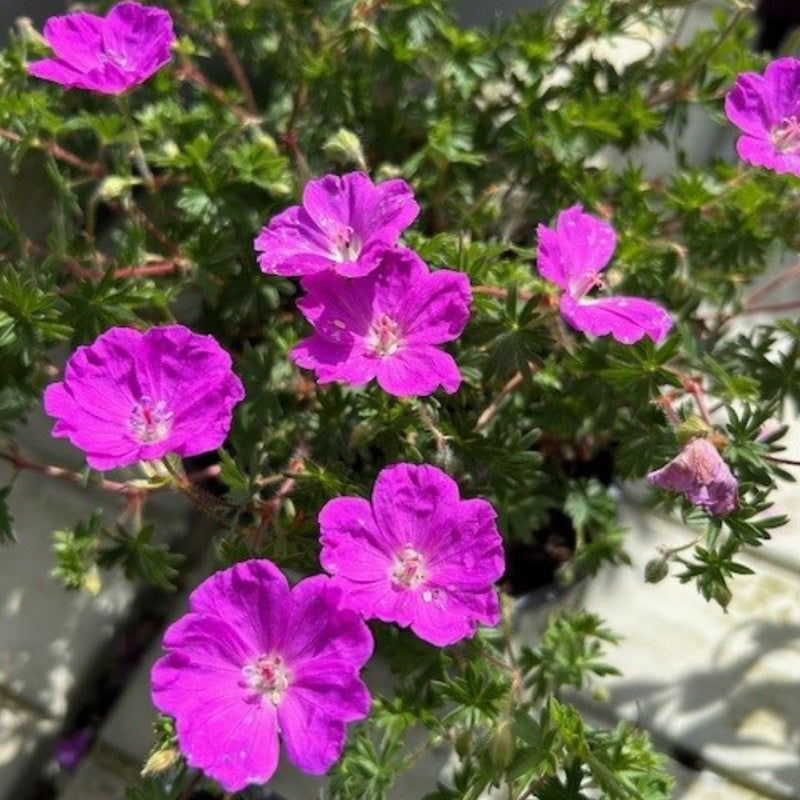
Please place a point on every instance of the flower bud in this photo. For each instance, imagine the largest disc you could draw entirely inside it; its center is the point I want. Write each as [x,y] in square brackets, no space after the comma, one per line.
[699,472]
[344,147]
[92,582]
[463,742]
[656,570]
[722,594]
[160,761]
[691,428]
[503,746]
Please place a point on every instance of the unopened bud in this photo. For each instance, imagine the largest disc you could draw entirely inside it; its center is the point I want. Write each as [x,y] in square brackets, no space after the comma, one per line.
[160,761]
[656,570]
[722,594]
[463,743]
[362,434]
[601,694]
[28,33]
[691,428]
[92,583]
[344,147]
[503,746]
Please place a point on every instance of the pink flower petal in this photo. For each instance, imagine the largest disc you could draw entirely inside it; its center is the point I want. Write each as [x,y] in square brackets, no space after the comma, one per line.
[76,39]
[418,370]
[385,209]
[333,687]
[781,81]
[292,245]
[246,754]
[263,600]
[254,658]
[414,504]
[580,247]
[313,740]
[107,55]
[320,629]
[627,319]
[700,473]
[761,153]
[748,106]
[343,225]
[431,307]
[177,386]
[351,543]
[335,362]
[419,557]
[339,309]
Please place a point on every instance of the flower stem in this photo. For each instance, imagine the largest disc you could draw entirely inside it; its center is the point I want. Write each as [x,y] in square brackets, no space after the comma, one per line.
[136,145]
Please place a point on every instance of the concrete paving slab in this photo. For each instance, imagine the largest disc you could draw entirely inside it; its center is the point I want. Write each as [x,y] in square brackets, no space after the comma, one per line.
[708,785]
[723,686]
[24,738]
[49,637]
[101,776]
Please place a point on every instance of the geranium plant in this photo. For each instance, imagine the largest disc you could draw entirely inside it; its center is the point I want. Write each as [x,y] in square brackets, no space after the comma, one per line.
[380,267]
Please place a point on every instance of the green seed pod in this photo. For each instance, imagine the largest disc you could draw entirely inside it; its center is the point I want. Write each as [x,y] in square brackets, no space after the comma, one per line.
[463,743]
[656,570]
[503,746]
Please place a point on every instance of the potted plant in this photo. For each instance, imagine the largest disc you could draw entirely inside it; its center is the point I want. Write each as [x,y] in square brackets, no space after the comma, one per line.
[359,253]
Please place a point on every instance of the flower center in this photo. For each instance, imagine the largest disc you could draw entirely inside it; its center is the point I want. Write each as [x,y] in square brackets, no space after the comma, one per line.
[384,339]
[269,676]
[346,245]
[785,136]
[591,281]
[113,57]
[408,569]
[149,421]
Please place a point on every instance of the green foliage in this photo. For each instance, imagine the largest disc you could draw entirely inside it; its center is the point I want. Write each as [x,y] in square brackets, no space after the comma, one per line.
[497,130]
[139,558]
[76,552]
[81,550]
[571,651]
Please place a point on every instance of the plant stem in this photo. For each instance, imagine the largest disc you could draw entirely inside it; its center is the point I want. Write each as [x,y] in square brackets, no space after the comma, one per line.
[789,305]
[223,42]
[20,463]
[777,460]
[488,413]
[496,291]
[138,154]
[59,153]
[789,274]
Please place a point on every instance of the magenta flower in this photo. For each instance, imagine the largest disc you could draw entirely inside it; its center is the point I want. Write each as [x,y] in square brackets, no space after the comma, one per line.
[132,396]
[386,325]
[572,256]
[418,555]
[253,659]
[344,225]
[107,54]
[766,108]
[699,472]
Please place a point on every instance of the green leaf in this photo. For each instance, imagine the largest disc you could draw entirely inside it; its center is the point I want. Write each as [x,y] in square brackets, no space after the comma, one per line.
[75,550]
[140,559]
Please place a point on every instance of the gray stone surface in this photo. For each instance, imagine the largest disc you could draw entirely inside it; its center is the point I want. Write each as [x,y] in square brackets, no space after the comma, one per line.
[53,642]
[723,686]
[50,638]
[36,10]
[101,776]
[25,737]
